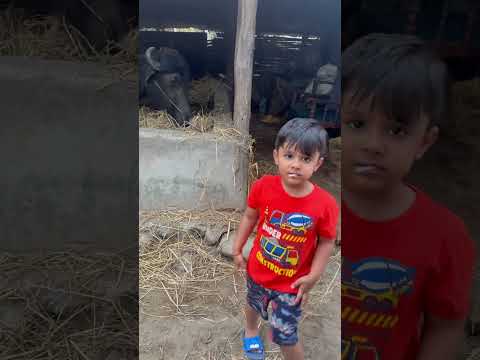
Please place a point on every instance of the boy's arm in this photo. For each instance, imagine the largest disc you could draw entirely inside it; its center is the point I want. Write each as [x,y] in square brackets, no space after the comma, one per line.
[447,295]
[247,223]
[441,338]
[320,259]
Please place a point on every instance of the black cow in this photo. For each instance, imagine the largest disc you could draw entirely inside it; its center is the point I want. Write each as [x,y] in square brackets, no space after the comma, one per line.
[164,76]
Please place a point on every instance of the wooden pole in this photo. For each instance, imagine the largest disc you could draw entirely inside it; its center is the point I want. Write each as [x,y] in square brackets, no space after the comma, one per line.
[230,34]
[244,48]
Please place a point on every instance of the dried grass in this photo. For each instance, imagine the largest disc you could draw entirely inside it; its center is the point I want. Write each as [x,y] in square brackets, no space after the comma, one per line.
[214,123]
[180,264]
[203,123]
[156,119]
[179,219]
[64,307]
[189,273]
[203,90]
[52,38]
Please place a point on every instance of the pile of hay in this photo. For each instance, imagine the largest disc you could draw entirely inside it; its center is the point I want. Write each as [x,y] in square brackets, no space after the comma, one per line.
[52,38]
[156,119]
[206,90]
[217,124]
[178,261]
[68,305]
[262,167]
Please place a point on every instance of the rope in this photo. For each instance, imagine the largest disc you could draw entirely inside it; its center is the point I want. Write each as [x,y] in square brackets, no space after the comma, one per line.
[169,99]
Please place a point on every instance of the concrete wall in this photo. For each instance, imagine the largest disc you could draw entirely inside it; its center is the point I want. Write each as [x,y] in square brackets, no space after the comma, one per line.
[68,155]
[190,172]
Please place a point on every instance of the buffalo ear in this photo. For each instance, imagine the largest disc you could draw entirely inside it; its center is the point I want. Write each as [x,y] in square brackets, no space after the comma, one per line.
[152,55]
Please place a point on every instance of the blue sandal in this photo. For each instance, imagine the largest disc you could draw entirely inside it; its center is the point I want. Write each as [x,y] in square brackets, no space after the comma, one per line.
[253,348]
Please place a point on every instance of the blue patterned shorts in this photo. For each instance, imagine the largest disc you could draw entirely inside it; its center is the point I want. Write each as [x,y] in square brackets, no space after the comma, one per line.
[285,314]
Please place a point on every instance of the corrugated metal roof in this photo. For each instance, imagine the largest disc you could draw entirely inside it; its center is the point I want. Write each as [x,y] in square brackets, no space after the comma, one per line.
[315,17]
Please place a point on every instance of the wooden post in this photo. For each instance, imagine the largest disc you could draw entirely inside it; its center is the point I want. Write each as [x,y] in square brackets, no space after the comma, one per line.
[472,14]
[229,36]
[413,8]
[244,48]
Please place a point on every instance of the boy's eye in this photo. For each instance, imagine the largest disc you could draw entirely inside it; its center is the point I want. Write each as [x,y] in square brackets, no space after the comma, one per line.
[398,130]
[307,159]
[355,124]
[288,155]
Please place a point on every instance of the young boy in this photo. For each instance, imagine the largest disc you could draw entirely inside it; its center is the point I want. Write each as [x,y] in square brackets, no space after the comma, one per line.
[295,237]
[407,261]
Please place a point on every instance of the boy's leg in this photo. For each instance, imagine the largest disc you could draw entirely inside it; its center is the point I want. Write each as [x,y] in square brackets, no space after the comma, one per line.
[285,319]
[293,352]
[251,326]
[257,304]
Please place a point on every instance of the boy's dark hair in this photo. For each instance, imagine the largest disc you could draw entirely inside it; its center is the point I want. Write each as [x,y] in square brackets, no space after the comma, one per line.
[402,75]
[307,135]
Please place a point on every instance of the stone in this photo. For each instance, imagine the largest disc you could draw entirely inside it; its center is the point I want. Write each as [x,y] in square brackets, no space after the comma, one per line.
[184,263]
[226,245]
[145,240]
[198,229]
[214,233]
[248,246]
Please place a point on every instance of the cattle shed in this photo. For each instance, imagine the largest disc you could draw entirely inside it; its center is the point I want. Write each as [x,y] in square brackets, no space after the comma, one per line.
[290,36]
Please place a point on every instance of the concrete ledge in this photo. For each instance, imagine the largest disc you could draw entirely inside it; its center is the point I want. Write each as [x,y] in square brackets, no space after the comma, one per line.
[68,149]
[183,171]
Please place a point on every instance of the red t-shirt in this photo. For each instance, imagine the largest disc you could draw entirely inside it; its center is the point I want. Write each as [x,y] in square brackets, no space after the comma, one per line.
[287,232]
[393,271]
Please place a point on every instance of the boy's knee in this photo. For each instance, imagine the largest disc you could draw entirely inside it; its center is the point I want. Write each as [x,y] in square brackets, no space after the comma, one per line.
[293,352]
[284,332]
[287,341]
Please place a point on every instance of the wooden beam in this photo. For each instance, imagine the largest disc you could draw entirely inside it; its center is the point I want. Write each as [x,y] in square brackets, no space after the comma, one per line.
[244,48]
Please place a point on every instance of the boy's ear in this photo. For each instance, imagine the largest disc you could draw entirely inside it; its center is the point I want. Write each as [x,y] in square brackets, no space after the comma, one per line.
[430,137]
[320,161]
[275,156]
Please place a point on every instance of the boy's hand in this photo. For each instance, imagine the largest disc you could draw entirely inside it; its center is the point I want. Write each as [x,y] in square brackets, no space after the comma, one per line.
[304,285]
[239,262]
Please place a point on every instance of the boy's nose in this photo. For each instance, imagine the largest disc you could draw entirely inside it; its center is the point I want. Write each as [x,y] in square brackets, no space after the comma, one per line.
[295,163]
[374,142]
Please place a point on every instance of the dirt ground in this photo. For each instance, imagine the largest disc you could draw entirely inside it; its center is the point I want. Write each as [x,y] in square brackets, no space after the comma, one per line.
[215,332]
[209,327]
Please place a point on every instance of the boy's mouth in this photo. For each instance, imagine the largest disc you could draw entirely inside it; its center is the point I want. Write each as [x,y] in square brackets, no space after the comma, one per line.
[368,169]
[293,175]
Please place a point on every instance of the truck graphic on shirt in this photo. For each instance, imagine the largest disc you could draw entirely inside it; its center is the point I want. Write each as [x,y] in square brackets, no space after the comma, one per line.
[378,283]
[287,256]
[358,348]
[295,222]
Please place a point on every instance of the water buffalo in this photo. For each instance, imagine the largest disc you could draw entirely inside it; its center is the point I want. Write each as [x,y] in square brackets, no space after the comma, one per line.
[164,76]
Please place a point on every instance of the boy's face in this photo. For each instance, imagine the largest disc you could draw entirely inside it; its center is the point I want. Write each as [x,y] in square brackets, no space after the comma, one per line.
[294,167]
[379,152]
